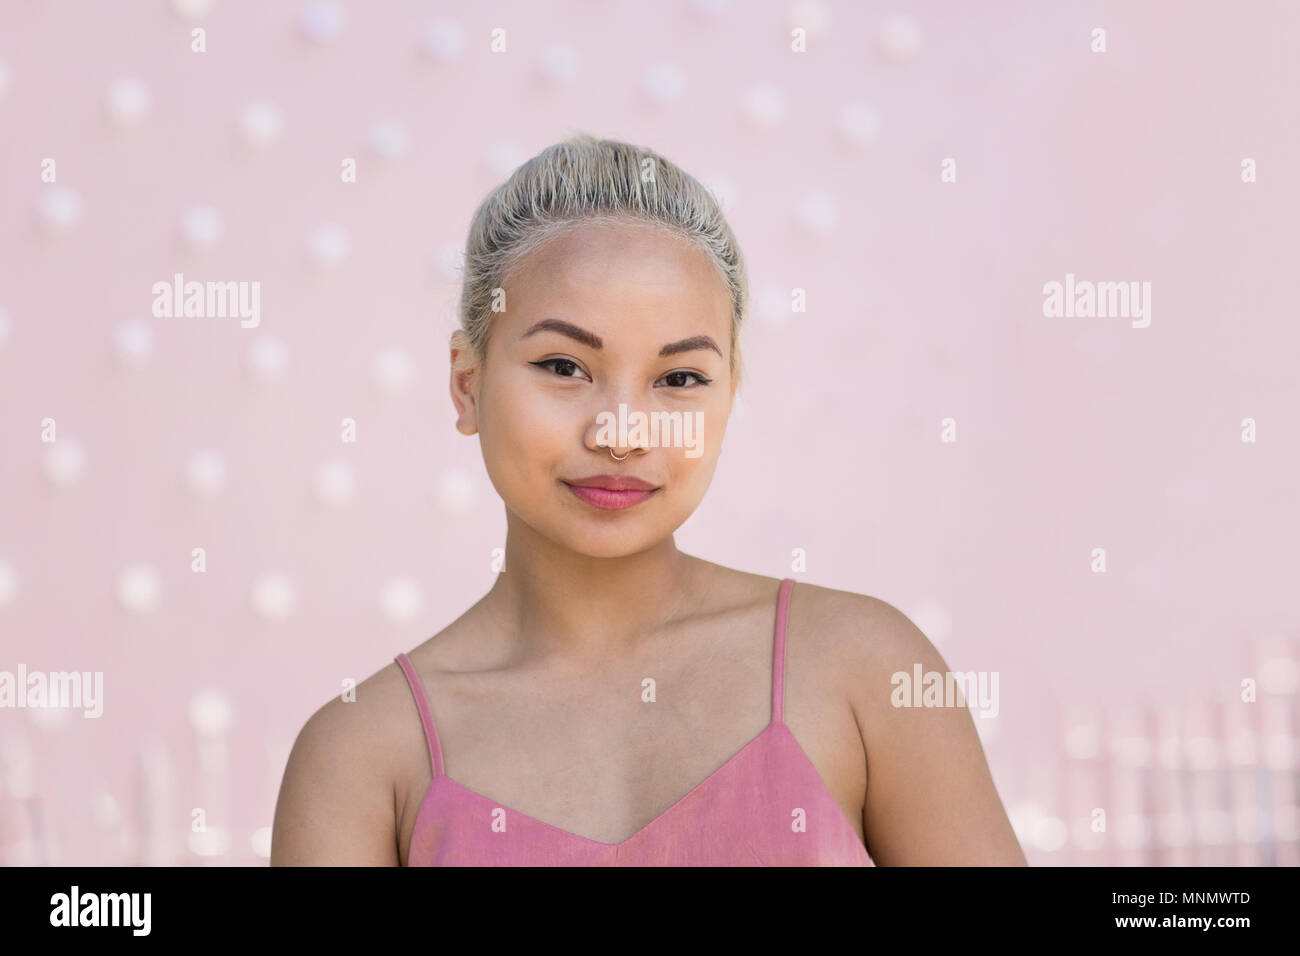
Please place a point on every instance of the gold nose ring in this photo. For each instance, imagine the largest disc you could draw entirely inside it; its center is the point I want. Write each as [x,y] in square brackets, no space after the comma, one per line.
[614,456]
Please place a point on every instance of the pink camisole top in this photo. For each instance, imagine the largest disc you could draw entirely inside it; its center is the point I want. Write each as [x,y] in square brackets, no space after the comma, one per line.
[765,806]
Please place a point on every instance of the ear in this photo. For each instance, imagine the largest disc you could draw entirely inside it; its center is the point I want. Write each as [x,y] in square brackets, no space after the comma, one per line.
[465,375]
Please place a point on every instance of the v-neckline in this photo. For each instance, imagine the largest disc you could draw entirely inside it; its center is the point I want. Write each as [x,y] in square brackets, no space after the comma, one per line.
[772,725]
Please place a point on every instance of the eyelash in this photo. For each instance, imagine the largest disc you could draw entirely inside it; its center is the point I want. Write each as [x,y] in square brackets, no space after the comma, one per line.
[699,379]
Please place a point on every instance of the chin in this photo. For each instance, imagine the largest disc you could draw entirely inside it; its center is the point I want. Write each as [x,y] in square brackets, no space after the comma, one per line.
[610,546]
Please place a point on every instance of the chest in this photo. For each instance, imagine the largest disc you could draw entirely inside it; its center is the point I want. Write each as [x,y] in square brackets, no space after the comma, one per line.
[766,805]
[625,760]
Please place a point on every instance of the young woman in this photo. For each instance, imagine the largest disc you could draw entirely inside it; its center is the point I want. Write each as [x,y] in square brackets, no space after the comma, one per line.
[612,700]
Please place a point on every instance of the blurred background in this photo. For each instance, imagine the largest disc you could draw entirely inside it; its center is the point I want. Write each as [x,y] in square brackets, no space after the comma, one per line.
[1101,514]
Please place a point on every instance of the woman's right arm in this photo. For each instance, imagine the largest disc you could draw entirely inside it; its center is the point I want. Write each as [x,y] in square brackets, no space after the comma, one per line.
[336,803]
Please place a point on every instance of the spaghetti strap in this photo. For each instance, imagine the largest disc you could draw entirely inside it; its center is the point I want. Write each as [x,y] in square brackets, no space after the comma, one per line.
[426,715]
[778,653]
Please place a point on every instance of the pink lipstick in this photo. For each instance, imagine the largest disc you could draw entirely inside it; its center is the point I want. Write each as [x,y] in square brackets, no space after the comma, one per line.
[611,492]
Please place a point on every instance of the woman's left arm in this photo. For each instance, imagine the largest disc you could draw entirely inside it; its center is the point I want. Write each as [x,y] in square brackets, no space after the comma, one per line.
[930,797]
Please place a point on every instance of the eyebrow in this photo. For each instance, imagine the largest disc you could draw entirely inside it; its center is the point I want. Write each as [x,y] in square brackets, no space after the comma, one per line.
[594,341]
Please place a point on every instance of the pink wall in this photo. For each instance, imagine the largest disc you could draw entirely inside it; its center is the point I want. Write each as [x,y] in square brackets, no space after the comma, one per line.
[925,302]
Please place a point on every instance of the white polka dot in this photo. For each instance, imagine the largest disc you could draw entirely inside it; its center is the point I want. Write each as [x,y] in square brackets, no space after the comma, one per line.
[900,38]
[261,124]
[335,484]
[329,244]
[813,16]
[139,589]
[451,259]
[444,40]
[393,370]
[65,460]
[60,206]
[206,473]
[819,212]
[192,9]
[388,139]
[211,712]
[214,841]
[985,725]
[456,492]
[260,842]
[128,102]
[5,74]
[724,191]
[202,226]
[1279,675]
[273,597]
[400,600]
[6,324]
[772,303]
[50,718]
[504,158]
[933,620]
[322,20]
[665,82]
[765,105]
[859,123]
[1050,834]
[133,342]
[8,583]
[1023,817]
[709,8]
[559,63]
[267,357]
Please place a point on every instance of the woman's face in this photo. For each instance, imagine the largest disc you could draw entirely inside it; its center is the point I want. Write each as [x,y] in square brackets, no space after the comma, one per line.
[602,315]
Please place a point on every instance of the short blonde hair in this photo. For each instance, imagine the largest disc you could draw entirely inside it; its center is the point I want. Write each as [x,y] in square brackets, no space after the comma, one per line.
[579,180]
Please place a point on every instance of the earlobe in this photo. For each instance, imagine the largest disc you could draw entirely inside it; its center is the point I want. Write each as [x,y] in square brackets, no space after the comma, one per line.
[462,386]
[462,396]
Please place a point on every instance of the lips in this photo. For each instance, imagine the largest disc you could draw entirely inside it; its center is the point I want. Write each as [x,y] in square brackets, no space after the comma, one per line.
[611,492]
[612,483]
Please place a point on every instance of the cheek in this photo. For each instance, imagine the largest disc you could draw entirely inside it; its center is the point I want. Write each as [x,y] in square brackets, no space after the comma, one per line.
[706,440]
[523,432]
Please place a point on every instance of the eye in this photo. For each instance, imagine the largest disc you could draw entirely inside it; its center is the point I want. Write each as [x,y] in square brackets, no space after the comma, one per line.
[565,368]
[677,379]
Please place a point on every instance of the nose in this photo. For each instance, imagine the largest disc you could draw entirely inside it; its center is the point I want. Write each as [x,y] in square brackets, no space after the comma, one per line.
[609,435]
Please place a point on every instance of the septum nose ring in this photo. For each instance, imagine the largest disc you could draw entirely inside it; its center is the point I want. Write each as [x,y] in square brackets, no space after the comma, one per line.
[614,456]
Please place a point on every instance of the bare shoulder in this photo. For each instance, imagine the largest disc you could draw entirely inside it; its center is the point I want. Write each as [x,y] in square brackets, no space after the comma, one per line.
[861,631]
[862,642]
[866,641]
[849,628]
[931,799]
[337,798]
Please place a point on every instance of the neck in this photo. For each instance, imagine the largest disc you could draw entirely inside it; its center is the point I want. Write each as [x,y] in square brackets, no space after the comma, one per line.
[555,601]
